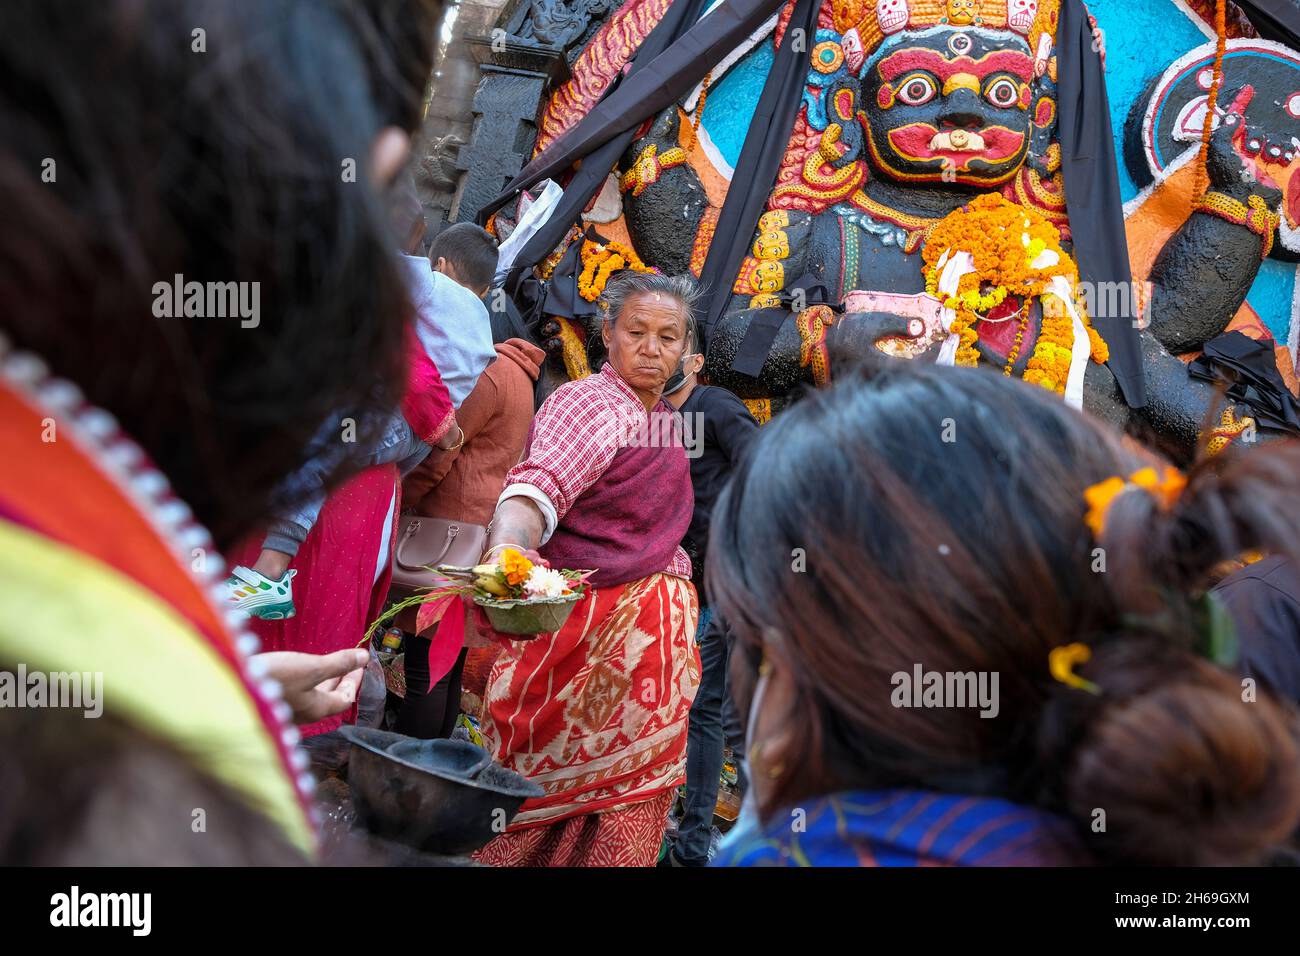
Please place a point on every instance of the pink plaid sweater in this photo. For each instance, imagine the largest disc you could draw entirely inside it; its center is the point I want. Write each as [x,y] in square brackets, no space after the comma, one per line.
[618,478]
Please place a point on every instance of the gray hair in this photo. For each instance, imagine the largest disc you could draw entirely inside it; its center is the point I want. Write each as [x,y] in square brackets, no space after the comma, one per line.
[627,284]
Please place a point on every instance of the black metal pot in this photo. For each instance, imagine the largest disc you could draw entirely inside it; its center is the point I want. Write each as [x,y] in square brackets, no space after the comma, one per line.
[438,796]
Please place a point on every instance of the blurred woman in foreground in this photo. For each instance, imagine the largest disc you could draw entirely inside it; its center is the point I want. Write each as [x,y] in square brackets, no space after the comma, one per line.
[997,652]
[138,152]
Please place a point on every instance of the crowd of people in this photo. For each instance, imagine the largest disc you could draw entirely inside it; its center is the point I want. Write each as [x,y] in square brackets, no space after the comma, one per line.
[767,589]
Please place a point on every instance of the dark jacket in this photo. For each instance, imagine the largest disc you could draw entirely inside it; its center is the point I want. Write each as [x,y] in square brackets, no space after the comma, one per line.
[1264,601]
[727,429]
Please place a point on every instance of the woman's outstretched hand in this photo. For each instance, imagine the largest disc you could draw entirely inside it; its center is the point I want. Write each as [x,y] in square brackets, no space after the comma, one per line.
[315,686]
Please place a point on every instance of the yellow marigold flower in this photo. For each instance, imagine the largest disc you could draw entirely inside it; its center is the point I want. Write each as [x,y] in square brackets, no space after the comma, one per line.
[1061,662]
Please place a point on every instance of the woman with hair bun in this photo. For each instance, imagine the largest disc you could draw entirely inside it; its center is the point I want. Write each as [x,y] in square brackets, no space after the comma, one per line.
[982,638]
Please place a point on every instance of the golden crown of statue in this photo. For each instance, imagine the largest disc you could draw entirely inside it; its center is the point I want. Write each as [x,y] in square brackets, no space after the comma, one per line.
[873,20]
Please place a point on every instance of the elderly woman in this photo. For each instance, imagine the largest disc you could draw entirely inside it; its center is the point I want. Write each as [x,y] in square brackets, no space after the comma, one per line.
[596,713]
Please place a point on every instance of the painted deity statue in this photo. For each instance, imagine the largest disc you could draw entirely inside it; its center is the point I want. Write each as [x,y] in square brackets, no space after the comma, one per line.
[922,195]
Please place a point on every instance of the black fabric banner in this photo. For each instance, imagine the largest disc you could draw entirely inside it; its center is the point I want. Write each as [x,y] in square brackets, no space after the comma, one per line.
[589,178]
[1250,370]
[1277,20]
[651,86]
[1092,190]
[751,183]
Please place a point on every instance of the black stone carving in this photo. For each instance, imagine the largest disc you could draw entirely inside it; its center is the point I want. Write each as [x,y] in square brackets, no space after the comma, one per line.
[438,166]
[515,78]
[556,24]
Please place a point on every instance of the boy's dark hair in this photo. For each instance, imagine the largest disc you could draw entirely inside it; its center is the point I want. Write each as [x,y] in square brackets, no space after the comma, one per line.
[470,251]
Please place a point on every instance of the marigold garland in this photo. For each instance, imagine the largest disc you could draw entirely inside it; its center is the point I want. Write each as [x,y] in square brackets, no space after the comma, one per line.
[1004,240]
[599,262]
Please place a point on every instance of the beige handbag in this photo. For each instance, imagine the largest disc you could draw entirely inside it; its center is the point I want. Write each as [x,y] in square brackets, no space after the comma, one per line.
[424,543]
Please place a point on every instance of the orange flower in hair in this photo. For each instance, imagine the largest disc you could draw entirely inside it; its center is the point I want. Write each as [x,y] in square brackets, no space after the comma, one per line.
[1098,498]
[1165,488]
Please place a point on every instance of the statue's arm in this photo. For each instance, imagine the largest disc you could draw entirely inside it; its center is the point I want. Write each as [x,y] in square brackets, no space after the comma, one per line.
[1201,276]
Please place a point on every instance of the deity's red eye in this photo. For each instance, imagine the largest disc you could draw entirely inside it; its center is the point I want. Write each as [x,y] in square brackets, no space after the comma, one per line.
[917,90]
[1003,93]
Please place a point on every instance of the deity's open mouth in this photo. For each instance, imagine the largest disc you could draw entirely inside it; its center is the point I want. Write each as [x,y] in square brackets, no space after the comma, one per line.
[1278,175]
[958,140]
[921,141]
[1257,165]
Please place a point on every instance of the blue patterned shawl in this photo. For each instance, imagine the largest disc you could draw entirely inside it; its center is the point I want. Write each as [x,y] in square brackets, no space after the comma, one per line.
[904,828]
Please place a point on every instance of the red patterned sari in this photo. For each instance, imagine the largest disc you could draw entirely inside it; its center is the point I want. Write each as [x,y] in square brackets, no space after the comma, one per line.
[596,714]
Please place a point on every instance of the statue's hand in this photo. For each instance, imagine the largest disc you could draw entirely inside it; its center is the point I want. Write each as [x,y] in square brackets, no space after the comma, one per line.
[663,133]
[896,335]
[1229,167]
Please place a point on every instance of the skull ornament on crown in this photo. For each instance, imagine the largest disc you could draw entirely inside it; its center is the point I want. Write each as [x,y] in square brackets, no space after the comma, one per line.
[1020,15]
[891,15]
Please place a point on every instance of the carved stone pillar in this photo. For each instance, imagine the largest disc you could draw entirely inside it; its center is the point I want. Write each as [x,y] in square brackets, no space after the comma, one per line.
[514,80]
[449,118]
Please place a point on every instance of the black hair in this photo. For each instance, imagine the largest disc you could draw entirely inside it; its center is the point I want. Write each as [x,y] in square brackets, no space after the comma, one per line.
[223,143]
[470,251]
[396,39]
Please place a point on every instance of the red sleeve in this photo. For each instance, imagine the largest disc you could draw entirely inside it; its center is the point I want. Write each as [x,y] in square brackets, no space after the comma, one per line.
[427,405]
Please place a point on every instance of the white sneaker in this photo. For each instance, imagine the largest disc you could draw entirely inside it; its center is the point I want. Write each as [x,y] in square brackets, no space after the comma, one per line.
[258,596]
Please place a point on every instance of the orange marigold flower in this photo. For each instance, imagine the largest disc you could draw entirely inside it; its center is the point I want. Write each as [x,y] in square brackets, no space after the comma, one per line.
[515,566]
[1099,498]
[1165,489]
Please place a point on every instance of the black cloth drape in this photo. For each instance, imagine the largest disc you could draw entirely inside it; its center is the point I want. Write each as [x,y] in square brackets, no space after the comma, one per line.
[760,159]
[1250,369]
[651,87]
[1277,20]
[653,84]
[589,178]
[1092,191]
